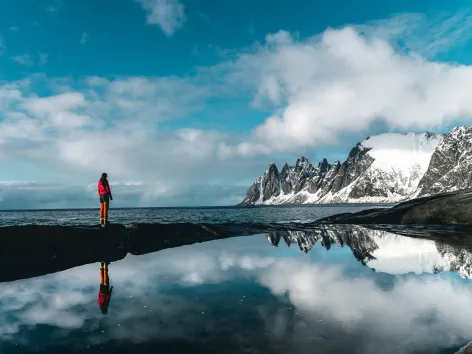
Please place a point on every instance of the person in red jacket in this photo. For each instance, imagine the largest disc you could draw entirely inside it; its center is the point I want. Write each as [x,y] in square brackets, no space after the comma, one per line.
[104,193]
[104,294]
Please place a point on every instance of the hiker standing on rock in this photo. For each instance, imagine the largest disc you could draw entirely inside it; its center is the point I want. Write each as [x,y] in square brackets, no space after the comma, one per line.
[105,196]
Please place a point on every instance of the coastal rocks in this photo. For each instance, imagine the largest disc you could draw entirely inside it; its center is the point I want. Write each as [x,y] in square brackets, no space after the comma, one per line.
[27,251]
[440,209]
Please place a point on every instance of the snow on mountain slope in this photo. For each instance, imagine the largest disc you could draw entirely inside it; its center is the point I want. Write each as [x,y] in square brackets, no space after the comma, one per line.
[399,162]
[451,164]
[402,153]
[383,168]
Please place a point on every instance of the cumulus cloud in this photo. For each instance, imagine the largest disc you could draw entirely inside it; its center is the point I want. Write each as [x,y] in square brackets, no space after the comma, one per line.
[343,80]
[117,126]
[167,14]
[17,195]
[317,89]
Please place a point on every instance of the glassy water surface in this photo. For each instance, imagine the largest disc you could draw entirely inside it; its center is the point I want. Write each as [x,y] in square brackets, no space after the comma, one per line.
[345,289]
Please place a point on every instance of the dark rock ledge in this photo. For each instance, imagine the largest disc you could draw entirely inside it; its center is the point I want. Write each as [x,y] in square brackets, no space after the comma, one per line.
[440,209]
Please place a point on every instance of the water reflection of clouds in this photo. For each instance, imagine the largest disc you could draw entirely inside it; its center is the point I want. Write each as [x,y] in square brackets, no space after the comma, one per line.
[332,309]
[417,314]
[54,299]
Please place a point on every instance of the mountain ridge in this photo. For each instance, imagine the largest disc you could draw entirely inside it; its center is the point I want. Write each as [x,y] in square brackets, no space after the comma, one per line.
[384,168]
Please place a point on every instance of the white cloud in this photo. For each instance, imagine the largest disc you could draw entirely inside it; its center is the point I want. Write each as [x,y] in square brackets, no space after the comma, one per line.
[15,195]
[168,14]
[24,59]
[58,111]
[121,119]
[317,89]
[428,36]
[29,60]
[85,38]
[345,79]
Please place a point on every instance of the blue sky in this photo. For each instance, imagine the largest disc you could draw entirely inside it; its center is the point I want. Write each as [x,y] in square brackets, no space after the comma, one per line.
[187,102]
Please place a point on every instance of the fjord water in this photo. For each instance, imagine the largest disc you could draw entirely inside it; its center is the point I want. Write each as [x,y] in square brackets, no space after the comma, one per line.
[266,214]
[339,289]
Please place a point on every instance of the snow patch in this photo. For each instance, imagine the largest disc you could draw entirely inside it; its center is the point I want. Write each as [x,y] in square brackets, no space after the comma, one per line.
[402,153]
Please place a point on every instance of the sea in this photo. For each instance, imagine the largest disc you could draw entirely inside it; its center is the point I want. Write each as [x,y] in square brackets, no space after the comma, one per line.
[211,215]
[349,289]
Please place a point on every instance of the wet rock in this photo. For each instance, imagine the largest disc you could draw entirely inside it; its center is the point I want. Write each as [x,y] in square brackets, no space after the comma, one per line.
[28,251]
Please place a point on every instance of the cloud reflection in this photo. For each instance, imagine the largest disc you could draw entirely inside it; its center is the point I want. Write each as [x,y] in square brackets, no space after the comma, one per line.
[296,301]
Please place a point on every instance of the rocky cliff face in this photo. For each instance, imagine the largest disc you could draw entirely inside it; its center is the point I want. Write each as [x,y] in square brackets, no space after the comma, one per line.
[450,168]
[384,168]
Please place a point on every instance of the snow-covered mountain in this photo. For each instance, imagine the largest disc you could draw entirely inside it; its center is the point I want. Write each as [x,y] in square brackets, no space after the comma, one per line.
[383,251]
[383,168]
[450,167]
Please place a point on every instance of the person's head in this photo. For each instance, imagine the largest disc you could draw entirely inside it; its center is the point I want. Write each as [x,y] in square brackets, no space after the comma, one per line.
[104,176]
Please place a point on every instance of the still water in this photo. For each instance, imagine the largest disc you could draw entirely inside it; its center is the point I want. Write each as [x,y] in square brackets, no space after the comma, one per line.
[334,290]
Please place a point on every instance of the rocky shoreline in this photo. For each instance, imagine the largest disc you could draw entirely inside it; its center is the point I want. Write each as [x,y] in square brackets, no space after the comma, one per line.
[27,251]
[440,209]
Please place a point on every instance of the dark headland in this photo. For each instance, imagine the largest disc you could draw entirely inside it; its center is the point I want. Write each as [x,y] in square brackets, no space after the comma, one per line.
[440,209]
[34,250]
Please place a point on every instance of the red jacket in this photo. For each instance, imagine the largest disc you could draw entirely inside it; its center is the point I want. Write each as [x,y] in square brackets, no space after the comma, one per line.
[103,189]
[103,299]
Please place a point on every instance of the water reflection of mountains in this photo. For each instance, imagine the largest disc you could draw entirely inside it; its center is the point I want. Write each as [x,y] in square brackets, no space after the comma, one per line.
[383,251]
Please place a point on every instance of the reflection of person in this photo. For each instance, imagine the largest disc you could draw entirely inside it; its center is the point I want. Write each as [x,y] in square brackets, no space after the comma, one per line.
[105,196]
[104,294]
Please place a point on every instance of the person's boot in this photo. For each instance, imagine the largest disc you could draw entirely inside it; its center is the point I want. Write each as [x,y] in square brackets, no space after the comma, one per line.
[101,221]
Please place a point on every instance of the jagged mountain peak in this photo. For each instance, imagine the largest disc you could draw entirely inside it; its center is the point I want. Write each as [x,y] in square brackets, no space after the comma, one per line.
[272,169]
[450,166]
[302,161]
[389,167]
[285,169]
[324,166]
